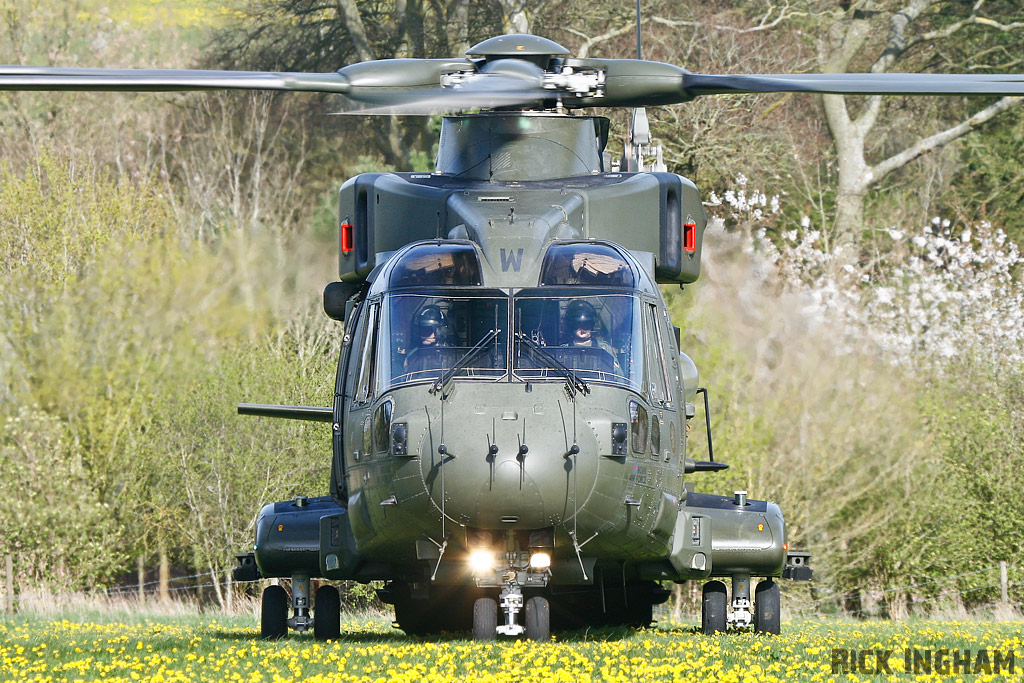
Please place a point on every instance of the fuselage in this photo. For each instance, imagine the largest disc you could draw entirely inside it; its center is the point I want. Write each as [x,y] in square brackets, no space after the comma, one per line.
[492,449]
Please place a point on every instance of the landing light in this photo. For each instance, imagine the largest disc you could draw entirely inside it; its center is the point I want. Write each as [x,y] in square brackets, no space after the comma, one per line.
[481,561]
[540,561]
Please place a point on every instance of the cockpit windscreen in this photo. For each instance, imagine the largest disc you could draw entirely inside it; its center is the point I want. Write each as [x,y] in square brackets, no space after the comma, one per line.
[430,334]
[597,336]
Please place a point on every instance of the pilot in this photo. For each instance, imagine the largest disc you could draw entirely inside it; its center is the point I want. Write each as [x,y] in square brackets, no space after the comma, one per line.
[580,318]
[428,332]
[580,323]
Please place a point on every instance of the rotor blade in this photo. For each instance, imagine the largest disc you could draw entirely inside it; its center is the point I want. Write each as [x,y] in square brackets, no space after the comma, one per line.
[444,102]
[450,91]
[858,84]
[389,86]
[385,81]
[154,80]
[484,93]
[637,83]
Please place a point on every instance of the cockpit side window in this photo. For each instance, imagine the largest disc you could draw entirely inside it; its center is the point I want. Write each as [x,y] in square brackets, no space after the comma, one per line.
[437,265]
[587,264]
[364,387]
[657,373]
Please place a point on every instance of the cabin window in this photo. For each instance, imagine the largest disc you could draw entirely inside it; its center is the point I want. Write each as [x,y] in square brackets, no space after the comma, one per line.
[595,334]
[437,265]
[588,264]
[430,333]
[382,427]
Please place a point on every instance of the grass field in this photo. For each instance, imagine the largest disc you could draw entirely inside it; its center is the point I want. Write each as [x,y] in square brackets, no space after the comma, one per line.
[197,648]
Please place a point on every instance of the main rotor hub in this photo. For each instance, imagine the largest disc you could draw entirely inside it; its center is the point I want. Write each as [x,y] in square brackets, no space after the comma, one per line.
[518,46]
[526,63]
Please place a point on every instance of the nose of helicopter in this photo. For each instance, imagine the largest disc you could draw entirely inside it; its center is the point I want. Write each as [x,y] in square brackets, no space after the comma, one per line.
[509,468]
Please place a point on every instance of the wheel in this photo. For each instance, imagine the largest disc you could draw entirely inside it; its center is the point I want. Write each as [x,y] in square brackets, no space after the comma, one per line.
[766,608]
[485,619]
[327,613]
[538,618]
[713,604]
[274,613]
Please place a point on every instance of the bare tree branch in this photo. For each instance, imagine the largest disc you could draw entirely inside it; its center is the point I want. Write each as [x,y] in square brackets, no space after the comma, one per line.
[785,12]
[583,51]
[934,142]
[896,43]
[972,20]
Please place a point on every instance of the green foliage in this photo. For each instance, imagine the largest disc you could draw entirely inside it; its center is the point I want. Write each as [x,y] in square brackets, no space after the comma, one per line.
[217,469]
[977,420]
[990,182]
[63,536]
[138,344]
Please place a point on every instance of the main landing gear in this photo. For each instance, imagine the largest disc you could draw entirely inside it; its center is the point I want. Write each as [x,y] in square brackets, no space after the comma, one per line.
[325,620]
[714,615]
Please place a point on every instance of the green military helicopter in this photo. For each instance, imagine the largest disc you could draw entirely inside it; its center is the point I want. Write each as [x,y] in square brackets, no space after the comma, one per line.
[511,403]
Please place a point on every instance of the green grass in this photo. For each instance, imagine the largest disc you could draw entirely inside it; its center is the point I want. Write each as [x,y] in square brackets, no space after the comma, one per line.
[126,647]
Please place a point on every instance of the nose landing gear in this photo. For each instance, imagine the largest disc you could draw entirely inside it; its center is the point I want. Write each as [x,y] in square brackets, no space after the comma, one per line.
[511,600]
[535,611]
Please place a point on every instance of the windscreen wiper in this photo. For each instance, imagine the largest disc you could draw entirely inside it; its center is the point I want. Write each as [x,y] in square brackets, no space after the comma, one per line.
[573,383]
[465,360]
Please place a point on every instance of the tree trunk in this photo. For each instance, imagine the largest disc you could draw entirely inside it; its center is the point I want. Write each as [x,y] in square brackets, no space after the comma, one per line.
[9,582]
[140,569]
[200,580]
[165,576]
[460,18]
[513,14]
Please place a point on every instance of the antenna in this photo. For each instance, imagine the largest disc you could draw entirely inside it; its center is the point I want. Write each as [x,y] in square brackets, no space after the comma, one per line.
[639,53]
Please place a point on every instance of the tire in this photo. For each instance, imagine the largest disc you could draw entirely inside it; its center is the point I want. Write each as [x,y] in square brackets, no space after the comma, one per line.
[274,613]
[538,618]
[713,605]
[485,619]
[327,614]
[767,603]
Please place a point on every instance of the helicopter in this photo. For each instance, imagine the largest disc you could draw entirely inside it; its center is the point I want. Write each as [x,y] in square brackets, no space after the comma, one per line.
[511,406]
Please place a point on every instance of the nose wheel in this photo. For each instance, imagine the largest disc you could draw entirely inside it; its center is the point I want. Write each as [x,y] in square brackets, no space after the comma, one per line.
[538,618]
[485,619]
[534,614]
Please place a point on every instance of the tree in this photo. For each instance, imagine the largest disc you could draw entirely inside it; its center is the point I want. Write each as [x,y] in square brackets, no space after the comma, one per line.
[301,35]
[917,33]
